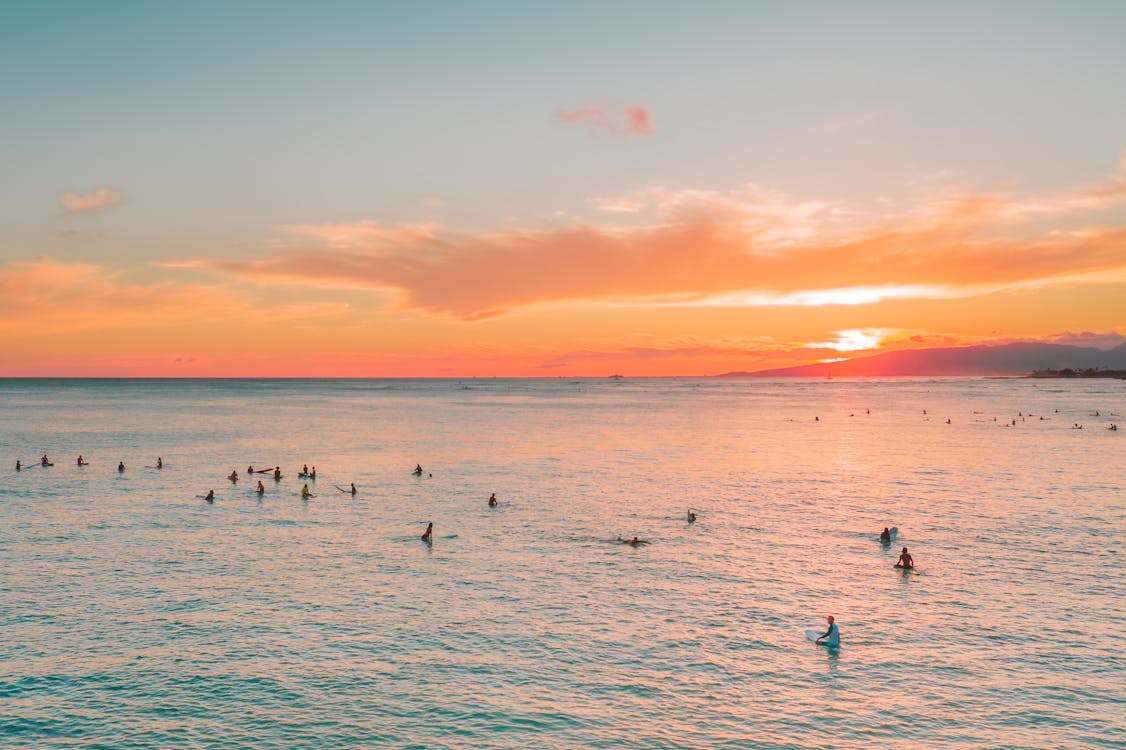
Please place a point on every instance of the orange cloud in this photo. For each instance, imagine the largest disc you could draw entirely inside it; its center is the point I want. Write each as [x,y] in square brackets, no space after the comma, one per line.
[751,247]
[49,296]
[102,198]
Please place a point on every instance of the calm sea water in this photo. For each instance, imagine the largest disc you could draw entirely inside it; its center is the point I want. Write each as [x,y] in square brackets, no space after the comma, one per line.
[133,614]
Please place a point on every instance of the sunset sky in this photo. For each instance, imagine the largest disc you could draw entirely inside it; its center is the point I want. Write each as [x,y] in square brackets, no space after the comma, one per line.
[534,189]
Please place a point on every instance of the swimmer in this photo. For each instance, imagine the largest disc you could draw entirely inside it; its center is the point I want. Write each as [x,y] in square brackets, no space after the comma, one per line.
[493,500]
[261,490]
[210,496]
[831,637]
[428,535]
[305,494]
[121,466]
[905,561]
[691,516]
[233,476]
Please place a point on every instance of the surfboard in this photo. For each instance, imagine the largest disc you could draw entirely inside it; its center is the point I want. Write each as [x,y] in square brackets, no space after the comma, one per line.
[912,569]
[813,635]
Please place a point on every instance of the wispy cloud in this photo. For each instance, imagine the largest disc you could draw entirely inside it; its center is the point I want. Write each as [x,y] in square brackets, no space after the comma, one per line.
[632,120]
[50,296]
[100,199]
[751,247]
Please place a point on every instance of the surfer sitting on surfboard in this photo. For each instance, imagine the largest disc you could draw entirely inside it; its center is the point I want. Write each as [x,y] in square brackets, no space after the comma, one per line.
[885,535]
[831,637]
[493,500]
[905,560]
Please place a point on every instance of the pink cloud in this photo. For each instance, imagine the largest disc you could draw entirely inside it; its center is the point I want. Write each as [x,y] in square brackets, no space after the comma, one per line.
[639,121]
[631,121]
[76,203]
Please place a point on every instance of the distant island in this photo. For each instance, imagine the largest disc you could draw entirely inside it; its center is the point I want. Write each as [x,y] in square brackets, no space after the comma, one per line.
[1089,372]
[1017,360]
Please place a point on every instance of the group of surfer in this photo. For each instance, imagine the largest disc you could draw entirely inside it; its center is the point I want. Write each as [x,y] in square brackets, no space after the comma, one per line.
[44,461]
[832,636]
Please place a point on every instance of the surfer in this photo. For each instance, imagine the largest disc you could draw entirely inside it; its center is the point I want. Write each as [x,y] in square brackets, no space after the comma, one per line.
[44,460]
[885,536]
[305,469]
[249,469]
[305,494]
[428,535]
[635,542]
[82,461]
[261,490]
[418,470]
[493,500]
[159,462]
[18,467]
[121,466]
[691,516]
[233,476]
[353,492]
[277,473]
[905,561]
[831,637]
[210,496]
[313,473]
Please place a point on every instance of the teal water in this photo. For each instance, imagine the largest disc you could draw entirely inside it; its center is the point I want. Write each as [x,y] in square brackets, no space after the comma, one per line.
[133,614]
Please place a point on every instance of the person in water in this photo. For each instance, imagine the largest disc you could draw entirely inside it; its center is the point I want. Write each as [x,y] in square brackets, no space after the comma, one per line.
[44,460]
[159,462]
[121,466]
[905,560]
[493,500]
[18,467]
[305,494]
[691,516]
[313,473]
[81,461]
[249,469]
[418,470]
[353,488]
[233,476]
[635,542]
[831,637]
[261,490]
[305,469]
[277,472]
[885,535]
[428,535]
[210,496]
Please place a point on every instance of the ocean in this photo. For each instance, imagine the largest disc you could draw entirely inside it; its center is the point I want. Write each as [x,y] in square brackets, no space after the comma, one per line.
[133,614]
